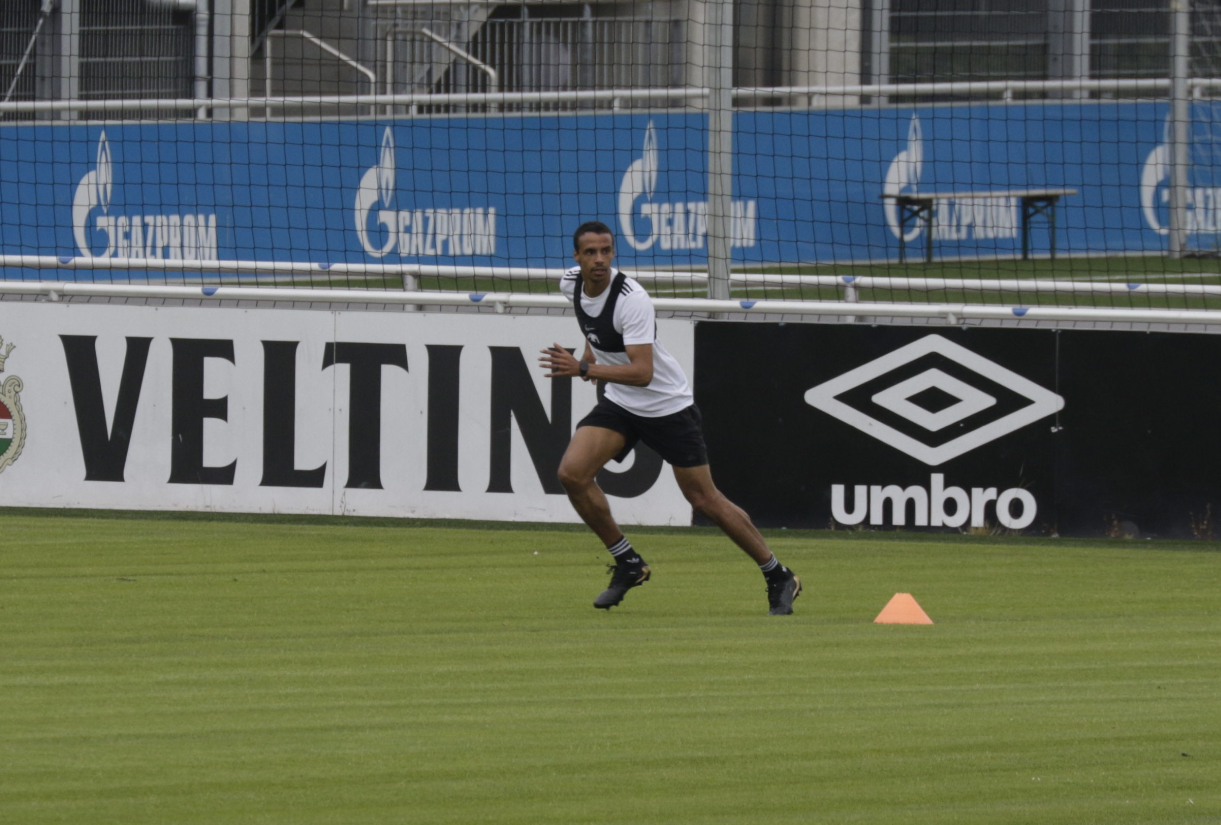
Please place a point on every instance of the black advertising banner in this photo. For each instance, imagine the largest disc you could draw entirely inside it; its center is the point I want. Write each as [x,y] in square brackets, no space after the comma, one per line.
[1042,431]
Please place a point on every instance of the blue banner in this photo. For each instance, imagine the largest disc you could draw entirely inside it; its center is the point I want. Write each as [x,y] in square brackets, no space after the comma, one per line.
[809,186]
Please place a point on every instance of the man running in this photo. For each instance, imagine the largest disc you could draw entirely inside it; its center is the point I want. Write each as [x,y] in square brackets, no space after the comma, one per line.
[647,399]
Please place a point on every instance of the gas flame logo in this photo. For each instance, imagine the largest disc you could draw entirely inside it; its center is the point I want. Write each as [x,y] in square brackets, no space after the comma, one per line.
[377,184]
[385,169]
[104,173]
[904,175]
[1154,176]
[639,180]
[93,191]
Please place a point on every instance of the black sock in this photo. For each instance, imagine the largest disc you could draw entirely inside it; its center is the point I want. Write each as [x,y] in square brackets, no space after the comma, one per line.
[773,568]
[624,553]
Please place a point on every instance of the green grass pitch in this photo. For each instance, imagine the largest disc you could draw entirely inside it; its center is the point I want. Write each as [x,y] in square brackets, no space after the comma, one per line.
[160,670]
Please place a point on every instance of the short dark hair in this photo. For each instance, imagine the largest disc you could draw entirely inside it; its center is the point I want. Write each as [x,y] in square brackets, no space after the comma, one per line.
[590,228]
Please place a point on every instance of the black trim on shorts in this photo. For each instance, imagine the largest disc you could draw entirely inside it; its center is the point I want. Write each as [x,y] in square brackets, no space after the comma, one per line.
[678,438]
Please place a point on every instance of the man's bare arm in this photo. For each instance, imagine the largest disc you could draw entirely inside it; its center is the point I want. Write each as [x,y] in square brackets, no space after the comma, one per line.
[639,373]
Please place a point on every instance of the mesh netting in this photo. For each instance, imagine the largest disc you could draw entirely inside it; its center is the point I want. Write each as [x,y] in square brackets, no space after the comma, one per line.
[908,150]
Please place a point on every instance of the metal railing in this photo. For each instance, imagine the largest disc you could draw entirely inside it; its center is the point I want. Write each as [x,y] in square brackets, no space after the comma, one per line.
[493,84]
[851,285]
[134,48]
[265,15]
[44,12]
[618,98]
[583,53]
[567,54]
[321,44]
[955,313]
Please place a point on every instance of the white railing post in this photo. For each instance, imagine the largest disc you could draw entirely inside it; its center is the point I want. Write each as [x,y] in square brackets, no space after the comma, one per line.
[720,145]
[1180,124]
[203,54]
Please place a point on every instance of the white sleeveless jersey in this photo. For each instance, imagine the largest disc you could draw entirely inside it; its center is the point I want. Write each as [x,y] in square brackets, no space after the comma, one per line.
[636,321]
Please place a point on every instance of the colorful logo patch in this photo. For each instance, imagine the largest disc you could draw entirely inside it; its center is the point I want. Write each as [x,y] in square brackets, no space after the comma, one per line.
[12,419]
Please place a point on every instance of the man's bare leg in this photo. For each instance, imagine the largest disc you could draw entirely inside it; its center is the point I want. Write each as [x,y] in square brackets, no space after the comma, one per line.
[588,452]
[696,483]
[707,500]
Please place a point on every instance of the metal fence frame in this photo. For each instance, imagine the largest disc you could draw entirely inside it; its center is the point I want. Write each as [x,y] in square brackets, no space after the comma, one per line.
[501,302]
[717,99]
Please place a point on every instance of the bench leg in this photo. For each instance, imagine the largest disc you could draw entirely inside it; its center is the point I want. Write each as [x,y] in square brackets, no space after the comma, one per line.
[1051,220]
[1025,229]
[928,228]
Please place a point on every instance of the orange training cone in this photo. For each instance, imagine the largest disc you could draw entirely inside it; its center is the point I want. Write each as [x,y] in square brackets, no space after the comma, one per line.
[902,609]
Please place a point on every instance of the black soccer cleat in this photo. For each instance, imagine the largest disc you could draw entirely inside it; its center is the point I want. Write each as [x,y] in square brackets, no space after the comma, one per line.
[623,578]
[781,590]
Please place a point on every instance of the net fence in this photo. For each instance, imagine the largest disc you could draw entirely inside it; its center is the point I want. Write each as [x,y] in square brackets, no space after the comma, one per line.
[989,151]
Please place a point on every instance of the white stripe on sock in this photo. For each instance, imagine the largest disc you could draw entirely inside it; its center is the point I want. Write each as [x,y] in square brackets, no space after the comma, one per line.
[620,548]
[769,566]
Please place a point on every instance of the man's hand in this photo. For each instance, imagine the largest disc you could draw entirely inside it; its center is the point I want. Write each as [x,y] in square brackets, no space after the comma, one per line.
[561,362]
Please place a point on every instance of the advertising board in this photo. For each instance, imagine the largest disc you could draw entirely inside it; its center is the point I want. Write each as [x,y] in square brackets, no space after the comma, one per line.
[808,186]
[1067,432]
[298,411]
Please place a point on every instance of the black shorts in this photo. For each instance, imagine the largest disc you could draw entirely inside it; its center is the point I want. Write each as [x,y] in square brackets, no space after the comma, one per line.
[677,438]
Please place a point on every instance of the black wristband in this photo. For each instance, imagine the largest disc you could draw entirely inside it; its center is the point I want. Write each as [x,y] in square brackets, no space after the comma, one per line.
[584,367]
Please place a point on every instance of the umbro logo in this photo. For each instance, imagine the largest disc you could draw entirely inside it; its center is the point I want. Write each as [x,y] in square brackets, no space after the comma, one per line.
[934,400]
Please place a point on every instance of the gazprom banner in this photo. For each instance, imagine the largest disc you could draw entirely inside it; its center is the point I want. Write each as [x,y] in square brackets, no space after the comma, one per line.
[808,186]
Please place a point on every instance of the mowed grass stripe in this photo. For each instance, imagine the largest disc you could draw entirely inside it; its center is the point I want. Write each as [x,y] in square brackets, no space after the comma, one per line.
[203,672]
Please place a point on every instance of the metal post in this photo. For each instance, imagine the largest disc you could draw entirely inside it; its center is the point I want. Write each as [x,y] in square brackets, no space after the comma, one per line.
[223,20]
[1068,42]
[203,54]
[69,55]
[879,45]
[239,56]
[1180,124]
[720,144]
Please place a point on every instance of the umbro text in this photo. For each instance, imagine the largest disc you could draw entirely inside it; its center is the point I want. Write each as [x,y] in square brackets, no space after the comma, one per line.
[934,506]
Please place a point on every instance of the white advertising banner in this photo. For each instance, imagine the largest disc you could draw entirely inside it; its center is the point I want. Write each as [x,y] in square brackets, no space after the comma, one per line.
[423,415]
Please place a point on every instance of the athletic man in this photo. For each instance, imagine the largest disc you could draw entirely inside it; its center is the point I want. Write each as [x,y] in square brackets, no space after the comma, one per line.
[647,399]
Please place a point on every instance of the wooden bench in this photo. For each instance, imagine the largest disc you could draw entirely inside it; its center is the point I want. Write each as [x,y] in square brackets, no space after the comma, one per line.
[916,206]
